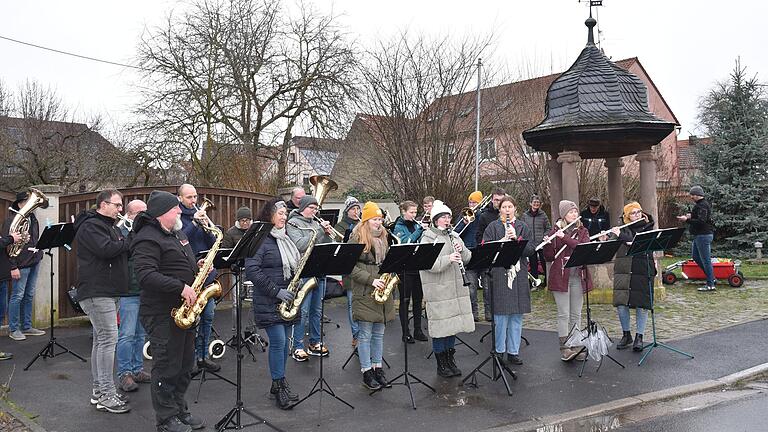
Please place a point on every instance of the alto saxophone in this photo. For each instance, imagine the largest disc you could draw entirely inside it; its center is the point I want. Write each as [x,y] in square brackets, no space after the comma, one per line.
[185,316]
[288,310]
[390,280]
[20,223]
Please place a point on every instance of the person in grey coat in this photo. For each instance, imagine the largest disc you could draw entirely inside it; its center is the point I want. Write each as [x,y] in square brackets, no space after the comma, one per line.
[538,223]
[449,310]
[510,290]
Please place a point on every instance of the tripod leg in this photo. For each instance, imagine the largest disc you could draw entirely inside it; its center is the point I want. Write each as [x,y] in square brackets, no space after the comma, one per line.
[467,345]
[66,350]
[352,354]
[525,340]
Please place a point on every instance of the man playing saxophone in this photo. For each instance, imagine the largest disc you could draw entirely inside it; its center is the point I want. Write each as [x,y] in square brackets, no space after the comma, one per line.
[165,267]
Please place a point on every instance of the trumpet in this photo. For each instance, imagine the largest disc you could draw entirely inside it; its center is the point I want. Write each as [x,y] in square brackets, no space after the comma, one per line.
[335,234]
[207,205]
[548,239]
[124,222]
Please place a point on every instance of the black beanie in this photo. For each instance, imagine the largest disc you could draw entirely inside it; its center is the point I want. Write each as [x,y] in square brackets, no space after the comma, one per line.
[160,202]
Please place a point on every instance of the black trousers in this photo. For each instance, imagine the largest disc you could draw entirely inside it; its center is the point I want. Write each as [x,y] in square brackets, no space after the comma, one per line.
[173,356]
[410,288]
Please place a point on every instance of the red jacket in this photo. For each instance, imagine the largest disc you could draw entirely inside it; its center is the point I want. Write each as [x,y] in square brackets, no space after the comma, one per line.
[557,277]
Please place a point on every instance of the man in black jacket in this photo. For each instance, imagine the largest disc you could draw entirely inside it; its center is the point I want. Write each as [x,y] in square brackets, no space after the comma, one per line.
[165,268]
[595,218]
[488,215]
[702,229]
[102,267]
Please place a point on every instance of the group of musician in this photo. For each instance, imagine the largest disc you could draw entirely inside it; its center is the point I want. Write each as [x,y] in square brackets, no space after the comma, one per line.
[141,266]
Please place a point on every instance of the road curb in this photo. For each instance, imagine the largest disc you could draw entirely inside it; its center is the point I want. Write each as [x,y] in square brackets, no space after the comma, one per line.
[21,417]
[548,422]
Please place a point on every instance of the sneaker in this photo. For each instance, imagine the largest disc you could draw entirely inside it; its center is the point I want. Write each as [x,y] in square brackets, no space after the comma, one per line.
[514,359]
[95,396]
[300,355]
[318,350]
[142,377]
[33,332]
[173,424]
[5,356]
[705,288]
[369,380]
[112,404]
[191,421]
[354,342]
[17,335]
[128,384]
[378,375]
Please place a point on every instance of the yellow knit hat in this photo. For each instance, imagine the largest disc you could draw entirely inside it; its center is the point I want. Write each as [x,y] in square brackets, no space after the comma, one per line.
[476,196]
[370,211]
[634,205]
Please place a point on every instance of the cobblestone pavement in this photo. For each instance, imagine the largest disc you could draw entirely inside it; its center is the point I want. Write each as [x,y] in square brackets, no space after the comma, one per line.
[684,312]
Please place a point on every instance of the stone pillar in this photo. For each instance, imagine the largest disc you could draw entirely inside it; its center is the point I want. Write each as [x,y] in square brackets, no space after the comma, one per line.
[555,187]
[615,188]
[648,199]
[41,304]
[570,180]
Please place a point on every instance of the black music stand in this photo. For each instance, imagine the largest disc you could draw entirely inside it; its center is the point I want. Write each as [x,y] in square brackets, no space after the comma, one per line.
[647,243]
[54,236]
[500,253]
[247,246]
[402,258]
[592,254]
[335,259]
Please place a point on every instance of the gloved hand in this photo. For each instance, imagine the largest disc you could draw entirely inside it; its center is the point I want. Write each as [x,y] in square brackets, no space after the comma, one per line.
[285,295]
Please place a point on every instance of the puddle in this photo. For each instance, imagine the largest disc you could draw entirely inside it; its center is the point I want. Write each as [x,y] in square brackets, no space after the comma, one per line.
[592,424]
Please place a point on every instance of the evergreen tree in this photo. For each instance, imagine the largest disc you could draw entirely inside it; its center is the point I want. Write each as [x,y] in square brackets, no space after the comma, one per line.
[734,168]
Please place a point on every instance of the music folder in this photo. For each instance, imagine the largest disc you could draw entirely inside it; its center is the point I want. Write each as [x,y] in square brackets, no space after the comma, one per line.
[249,243]
[332,259]
[593,253]
[498,253]
[655,240]
[410,257]
[56,235]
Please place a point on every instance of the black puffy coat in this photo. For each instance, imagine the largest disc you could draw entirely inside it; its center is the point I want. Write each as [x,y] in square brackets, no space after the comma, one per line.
[632,274]
[265,270]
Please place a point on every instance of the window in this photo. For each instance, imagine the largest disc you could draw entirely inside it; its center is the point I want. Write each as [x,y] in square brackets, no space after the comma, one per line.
[305,182]
[488,149]
[292,157]
[436,115]
[465,112]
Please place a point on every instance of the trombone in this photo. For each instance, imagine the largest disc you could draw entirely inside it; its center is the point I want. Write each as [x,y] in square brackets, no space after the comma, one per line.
[470,213]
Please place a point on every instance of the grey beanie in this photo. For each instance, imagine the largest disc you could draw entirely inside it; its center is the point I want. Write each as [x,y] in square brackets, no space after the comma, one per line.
[160,202]
[566,206]
[243,213]
[306,201]
[697,190]
[351,202]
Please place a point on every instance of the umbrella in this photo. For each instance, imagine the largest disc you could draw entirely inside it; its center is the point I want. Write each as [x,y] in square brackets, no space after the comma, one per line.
[595,338]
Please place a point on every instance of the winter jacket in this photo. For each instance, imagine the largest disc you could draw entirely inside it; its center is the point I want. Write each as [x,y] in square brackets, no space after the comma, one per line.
[133,283]
[102,256]
[488,215]
[164,263]
[232,236]
[538,223]
[449,309]
[633,274]
[26,258]
[265,271]
[364,308]
[344,226]
[515,298]
[558,276]
[198,238]
[596,223]
[468,234]
[700,222]
[408,231]
[301,237]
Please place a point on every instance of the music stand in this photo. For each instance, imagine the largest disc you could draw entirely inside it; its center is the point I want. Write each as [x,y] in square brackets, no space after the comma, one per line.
[647,243]
[54,236]
[246,247]
[592,254]
[402,258]
[335,259]
[500,253]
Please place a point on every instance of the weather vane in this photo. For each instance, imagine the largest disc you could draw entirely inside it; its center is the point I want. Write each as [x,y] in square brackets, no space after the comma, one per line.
[595,3]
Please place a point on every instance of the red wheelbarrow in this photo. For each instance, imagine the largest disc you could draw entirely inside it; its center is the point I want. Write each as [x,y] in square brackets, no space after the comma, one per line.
[725,269]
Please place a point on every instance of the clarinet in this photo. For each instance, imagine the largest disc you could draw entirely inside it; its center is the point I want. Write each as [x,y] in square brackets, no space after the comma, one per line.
[463,271]
[508,225]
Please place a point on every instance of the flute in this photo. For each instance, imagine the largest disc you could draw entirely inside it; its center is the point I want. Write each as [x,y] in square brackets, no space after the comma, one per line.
[600,234]
[548,239]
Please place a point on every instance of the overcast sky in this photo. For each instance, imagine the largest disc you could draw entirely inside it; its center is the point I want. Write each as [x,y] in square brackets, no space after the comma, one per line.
[686,46]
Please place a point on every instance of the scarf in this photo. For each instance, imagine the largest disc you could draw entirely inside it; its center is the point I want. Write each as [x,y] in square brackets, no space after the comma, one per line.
[289,255]
[378,244]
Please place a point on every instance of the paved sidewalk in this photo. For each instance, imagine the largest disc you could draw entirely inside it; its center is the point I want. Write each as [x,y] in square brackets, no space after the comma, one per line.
[56,391]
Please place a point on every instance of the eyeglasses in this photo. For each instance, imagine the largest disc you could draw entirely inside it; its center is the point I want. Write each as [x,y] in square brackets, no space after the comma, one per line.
[635,212]
[118,205]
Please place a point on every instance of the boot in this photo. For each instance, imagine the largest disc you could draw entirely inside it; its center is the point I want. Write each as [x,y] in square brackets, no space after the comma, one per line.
[293,397]
[281,397]
[378,375]
[419,335]
[566,353]
[451,364]
[626,340]
[638,345]
[442,365]
[369,380]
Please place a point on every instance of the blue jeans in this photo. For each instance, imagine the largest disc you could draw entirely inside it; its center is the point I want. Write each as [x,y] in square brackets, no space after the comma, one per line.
[21,299]
[204,330]
[311,314]
[641,315]
[130,338]
[278,349]
[352,323]
[443,344]
[508,328]
[370,344]
[702,254]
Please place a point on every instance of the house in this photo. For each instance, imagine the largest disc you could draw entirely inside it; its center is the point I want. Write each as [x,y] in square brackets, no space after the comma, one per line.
[308,156]
[687,164]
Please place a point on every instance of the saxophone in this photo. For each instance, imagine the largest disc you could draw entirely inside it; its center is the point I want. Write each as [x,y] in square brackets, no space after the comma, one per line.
[289,310]
[20,223]
[391,280]
[185,316]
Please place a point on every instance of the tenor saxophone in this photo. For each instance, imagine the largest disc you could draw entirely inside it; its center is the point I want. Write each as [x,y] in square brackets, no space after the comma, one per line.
[185,316]
[390,280]
[288,310]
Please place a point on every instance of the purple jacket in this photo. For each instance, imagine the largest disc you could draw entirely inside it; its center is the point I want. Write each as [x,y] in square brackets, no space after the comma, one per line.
[557,279]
